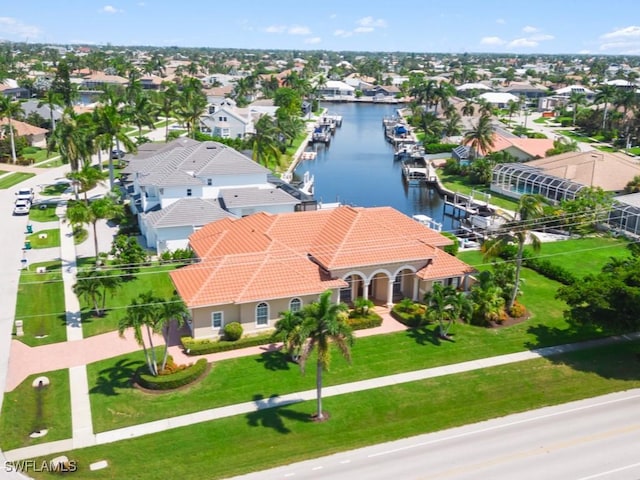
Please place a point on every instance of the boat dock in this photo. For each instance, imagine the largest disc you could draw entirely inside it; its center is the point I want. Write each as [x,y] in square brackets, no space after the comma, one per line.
[418,171]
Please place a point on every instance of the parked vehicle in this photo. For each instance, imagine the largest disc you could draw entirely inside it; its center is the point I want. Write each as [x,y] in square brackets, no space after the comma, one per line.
[25,194]
[21,207]
[117,154]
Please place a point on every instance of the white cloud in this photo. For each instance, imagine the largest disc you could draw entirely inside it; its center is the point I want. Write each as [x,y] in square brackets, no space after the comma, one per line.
[372,22]
[632,32]
[529,29]
[110,9]
[342,33]
[275,29]
[523,42]
[363,29]
[312,40]
[298,30]
[492,41]
[13,27]
[501,21]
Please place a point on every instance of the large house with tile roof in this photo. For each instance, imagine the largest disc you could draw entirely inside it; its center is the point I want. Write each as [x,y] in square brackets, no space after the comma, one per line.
[251,269]
[178,187]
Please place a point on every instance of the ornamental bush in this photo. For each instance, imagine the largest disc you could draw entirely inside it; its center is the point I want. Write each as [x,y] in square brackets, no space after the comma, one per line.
[232,331]
[370,320]
[174,380]
[517,310]
[439,147]
[192,346]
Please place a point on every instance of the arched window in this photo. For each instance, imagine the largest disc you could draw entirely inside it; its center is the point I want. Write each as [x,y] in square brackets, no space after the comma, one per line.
[295,304]
[262,314]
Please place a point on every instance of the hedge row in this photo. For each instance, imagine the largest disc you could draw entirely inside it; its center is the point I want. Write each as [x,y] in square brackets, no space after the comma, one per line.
[440,147]
[410,319]
[370,321]
[551,271]
[174,380]
[203,347]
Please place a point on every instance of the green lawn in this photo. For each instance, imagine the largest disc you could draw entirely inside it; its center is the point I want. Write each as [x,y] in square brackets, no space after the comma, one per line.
[52,238]
[155,278]
[634,151]
[19,412]
[40,155]
[114,404]
[576,136]
[14,179]
[55,189]
[285,435]
[43,212]
[40,305]
[460,184]
[54,162]
[580,256]
[606,148]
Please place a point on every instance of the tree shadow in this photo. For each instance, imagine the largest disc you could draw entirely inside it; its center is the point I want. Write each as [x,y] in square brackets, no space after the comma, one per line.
[425,335]
[275,360]
[117,376]
[546,336]
[270,415]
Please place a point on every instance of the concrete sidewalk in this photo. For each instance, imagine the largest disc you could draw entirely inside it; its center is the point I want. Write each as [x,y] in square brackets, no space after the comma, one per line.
[102,438]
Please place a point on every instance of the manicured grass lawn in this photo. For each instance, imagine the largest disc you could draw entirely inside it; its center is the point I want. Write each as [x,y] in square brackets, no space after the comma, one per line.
[459,184]
[40,155]
[580,256]
[52,238]
[634,150]
[14,179]
[55,189]
[19,412]
[576,136]
[285,435]
[541,120]
[43,212]
[155,278]
[114,404]
[40,304]
[606,148]
[54,162]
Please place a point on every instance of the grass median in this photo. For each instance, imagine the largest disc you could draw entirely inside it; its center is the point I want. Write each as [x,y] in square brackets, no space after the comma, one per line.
[218,449]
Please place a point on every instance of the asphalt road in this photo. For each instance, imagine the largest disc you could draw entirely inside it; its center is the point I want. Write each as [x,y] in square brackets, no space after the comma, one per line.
[597,438]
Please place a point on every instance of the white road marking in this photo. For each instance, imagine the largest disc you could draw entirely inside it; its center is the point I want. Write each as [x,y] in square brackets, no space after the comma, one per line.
[316,468]
[602,474]
[497,427]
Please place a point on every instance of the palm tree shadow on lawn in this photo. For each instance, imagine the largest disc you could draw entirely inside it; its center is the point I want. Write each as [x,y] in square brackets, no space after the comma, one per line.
[274,417]
[275,360]
[428,334]
[116,377]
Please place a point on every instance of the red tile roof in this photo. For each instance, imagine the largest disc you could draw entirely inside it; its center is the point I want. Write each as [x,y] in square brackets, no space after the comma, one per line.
[264,256]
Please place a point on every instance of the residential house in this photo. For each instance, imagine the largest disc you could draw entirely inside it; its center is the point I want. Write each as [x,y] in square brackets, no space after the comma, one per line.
[164,181]
[225,121]
[525,90]
[499,99]
[381,91]
[336,90]
[98,80]
[251,269]
[35,136]
[561,177]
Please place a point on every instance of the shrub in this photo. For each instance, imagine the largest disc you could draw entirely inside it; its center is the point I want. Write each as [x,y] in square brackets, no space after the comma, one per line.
[29,150]
[173,380]
[439,147]
[371,320]
[550,270]
[232,331]
[451,167]
[452,249]
[203,347]
[517,310]
[410,316]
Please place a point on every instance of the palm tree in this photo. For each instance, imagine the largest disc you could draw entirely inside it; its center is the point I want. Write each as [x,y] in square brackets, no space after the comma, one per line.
[322,326]
[576,99]
[287,331]
[452,126]
[530,208]
[173,309]
[190,106]
[110,124]
[87,178]
[443,92]
[10,110]
[468,109]
[605,95]
[68,139]
[141,112]
[165,102]
[512,107]
[51,100]
[487,299]
[94,285]
[480,139]
[265,144]
[81,213]
[142,313]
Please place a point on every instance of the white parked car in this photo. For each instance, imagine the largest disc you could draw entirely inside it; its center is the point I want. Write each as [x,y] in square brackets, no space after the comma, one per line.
[21,207]
[25,194]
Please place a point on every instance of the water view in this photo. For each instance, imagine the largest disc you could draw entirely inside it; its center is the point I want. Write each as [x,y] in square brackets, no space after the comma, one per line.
[357,167]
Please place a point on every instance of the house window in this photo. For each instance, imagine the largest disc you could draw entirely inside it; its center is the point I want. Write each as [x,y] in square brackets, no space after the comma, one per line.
[217,320]
[262,315]
[222,119]
[188,192]
[209,182]
[295,304]
[161,190]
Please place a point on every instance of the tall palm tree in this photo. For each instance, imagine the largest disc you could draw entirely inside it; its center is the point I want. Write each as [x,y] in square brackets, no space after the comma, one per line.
[442,93]
[265,143]
[51,99]
[606,95]
[94,285]
[530,208]
[322,326]
[480,139]
[10,110]
[576,99]
[190,105]
[165,102]
[512,107]
[142,314]
[172,310]
[468,109]
[68,139]
[110,124]
[141,112]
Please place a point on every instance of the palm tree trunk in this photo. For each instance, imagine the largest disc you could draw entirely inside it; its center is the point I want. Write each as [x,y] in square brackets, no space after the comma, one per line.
[319,414]
[165,335]
[153,365]
[516,285]
[95,240]
[604,115]
[14,157]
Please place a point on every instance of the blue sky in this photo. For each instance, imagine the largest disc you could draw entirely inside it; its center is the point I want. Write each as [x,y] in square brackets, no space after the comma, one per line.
[454,26]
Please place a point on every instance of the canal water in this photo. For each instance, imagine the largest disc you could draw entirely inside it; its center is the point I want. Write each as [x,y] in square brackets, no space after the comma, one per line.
[357,168]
